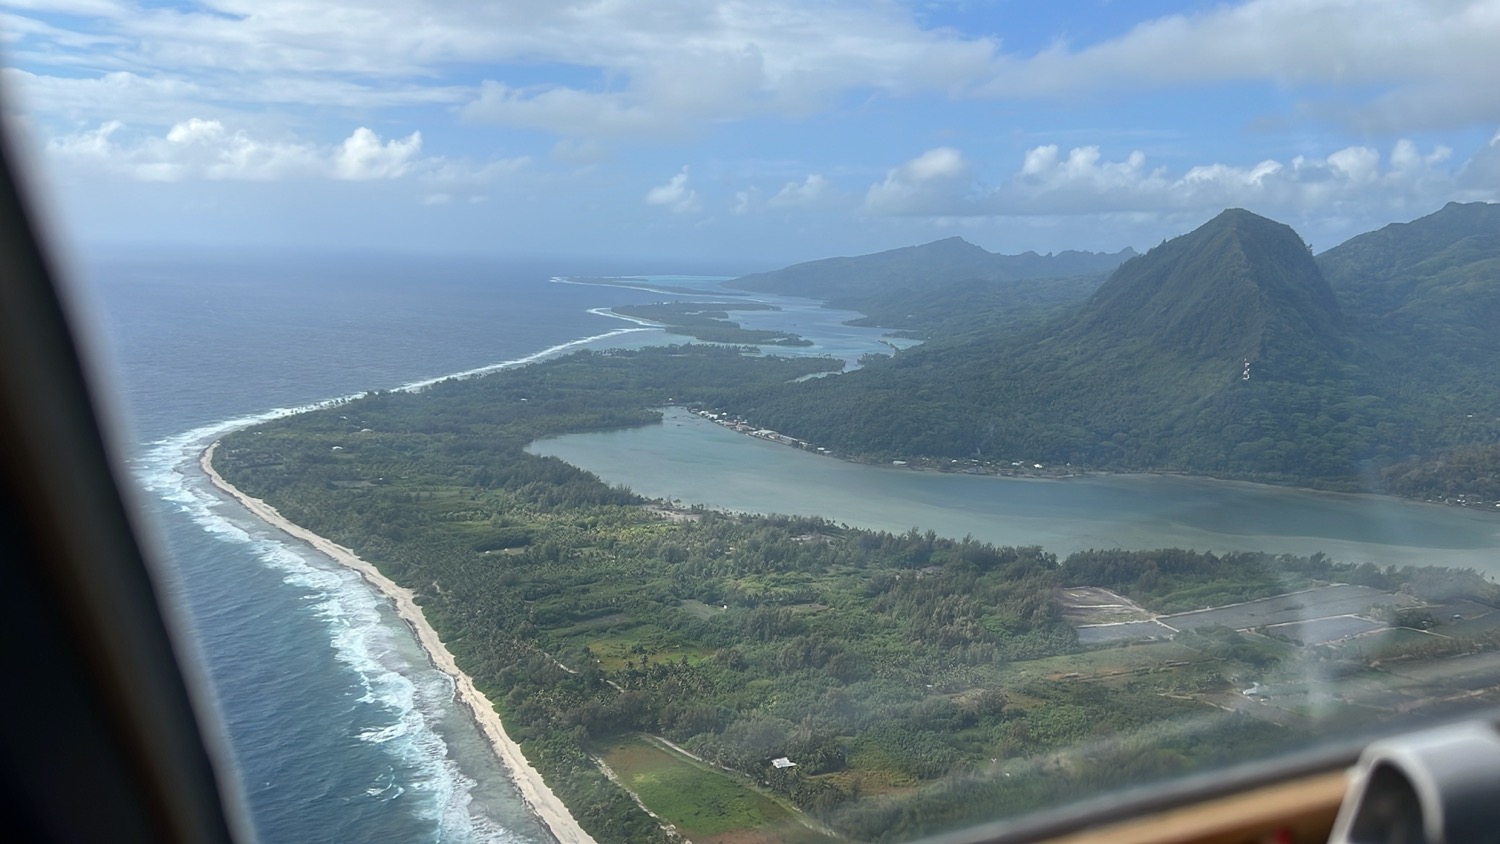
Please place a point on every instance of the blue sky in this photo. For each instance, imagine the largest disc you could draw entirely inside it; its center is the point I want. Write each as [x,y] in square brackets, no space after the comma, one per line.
[762,132]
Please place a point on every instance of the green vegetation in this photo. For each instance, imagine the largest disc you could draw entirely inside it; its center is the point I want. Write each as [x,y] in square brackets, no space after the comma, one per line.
[709,322]
[1175,580]
[1149,372]
[1425,296]
[972,309]
[918,682]
[949,288]
[1470,475]
[849,280]
[698,800]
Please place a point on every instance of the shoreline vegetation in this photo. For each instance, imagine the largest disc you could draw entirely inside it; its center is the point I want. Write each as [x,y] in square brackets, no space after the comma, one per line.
[534,790]
[709,322]
[891,686]
[1028,470]
[911,683]
[1229,351]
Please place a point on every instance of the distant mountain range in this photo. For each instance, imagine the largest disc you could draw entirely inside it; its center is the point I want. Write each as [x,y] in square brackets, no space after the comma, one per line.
[940,262]
[944,287]
[1228,350]
[1426,295]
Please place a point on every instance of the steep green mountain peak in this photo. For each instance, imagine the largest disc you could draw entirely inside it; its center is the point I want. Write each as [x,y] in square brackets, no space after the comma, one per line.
[1380,271]
[1231,289]
[1150,371]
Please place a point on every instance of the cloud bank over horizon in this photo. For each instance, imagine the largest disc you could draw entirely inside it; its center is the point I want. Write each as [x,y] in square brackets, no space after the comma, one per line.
[741,128]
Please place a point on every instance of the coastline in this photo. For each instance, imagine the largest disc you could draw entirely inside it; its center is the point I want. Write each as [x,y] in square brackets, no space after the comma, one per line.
[1018,471]
[553,813]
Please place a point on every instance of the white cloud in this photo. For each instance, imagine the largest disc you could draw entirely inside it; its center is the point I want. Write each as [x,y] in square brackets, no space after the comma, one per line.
[1083,182]
[1481,173]
[98,8]
[675,194]
[927,184]
[657,70]
[745,201]
[666,67]
[201,149]
[566,111]
[362,156]
[810,191]
[193,149]
[1423,61]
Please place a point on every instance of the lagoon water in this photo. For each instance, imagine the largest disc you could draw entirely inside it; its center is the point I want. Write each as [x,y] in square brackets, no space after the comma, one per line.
[336,725]
[699,462]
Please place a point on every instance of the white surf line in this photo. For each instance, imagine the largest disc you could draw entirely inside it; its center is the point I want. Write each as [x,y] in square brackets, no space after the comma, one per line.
[529,782]
[192,441]
[550,351]
[606,312]
[179,449]
[707,294]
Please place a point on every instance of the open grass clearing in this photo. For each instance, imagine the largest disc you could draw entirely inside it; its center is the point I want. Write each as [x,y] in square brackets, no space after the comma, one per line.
[640,642]
[702,802]
[1102,662]
[1096,605]
[700,610]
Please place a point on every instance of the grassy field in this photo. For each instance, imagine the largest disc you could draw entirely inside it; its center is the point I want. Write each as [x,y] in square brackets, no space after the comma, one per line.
[705,804]
[1105,662]
[624,641]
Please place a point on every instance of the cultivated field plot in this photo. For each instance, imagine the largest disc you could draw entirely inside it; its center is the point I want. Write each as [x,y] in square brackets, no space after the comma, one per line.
[624,643]
[1470,671]
[705,804]
[1468,610]
[1100,633]
[1319,602]
[1137,658]
[1469,626]
[1094,605]
[1324,630]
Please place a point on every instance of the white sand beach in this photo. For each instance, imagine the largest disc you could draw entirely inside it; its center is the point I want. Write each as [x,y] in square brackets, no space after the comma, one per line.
[528,780]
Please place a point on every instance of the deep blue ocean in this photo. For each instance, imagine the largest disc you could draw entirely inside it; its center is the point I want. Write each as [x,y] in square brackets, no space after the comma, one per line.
[336,726]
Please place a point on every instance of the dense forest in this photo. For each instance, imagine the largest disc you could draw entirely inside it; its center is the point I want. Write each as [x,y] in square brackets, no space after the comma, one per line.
[946,289]
[1229,351]
[917,682]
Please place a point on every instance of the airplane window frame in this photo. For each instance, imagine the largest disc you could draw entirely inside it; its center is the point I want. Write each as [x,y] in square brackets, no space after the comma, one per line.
[102,733]
[115,693]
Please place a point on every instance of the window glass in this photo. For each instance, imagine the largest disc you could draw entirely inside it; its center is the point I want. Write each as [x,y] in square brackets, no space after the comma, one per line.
[1142,426]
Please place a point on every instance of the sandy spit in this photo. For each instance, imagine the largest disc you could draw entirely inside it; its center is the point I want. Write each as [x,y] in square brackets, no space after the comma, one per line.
[528,780]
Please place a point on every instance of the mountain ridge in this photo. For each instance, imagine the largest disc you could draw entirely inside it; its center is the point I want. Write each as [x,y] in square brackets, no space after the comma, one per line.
[1150,372]
[951,259]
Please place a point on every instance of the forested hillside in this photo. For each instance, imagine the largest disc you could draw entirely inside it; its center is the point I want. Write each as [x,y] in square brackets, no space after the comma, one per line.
[917,682]
[1148,372]
[1224,351]
[1423,301]
[944,287]
[973,309]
